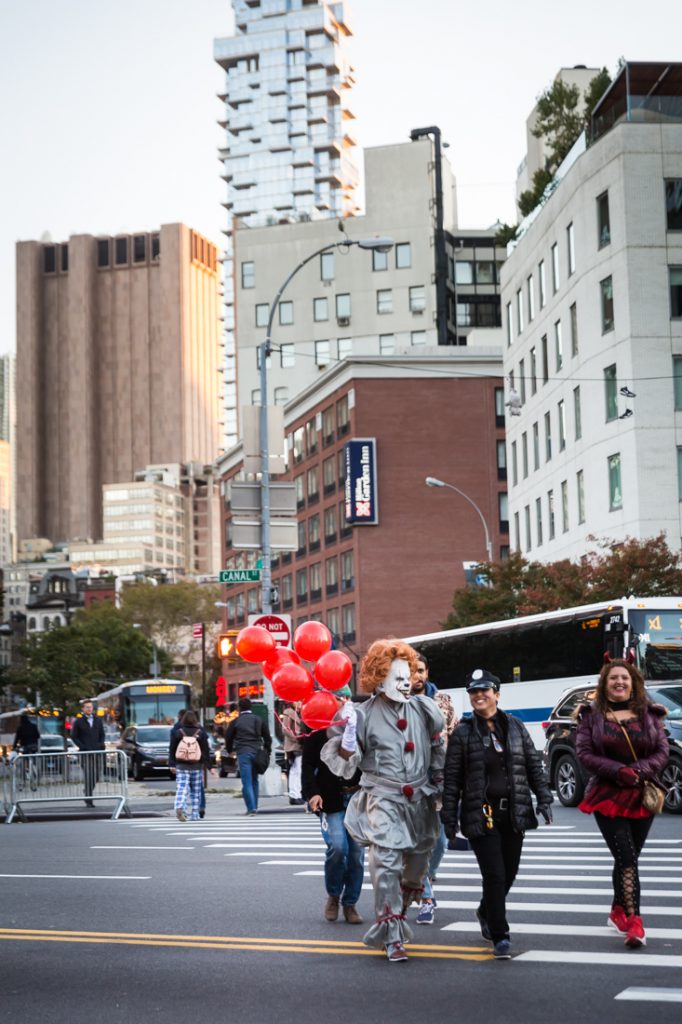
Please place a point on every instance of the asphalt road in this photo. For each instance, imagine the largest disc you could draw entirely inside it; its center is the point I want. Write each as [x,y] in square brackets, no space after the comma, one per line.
[147,919]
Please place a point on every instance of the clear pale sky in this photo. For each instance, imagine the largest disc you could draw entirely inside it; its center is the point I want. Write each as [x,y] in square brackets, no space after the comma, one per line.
[109,111]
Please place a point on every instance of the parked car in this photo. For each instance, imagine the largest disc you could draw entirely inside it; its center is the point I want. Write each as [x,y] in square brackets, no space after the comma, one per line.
[146,748]
[567,776]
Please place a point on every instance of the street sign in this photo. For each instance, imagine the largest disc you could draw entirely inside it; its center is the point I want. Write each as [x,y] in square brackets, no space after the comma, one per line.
[278,625]
[198,630]
[240,575]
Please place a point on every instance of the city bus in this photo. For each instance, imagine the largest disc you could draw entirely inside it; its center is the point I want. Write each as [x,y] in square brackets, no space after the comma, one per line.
[143,702]
[50,721]
[537,657]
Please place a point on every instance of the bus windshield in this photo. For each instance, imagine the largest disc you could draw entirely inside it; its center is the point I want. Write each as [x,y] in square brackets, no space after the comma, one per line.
[657,639]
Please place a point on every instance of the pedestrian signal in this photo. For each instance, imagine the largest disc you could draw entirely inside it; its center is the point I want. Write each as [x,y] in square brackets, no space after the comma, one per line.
[226,646]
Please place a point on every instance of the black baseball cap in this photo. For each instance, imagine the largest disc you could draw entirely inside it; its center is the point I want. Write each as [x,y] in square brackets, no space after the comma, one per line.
[481,679]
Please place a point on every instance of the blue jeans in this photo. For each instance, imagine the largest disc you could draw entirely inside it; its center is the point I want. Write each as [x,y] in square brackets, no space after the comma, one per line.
[434,863]
[249,777]
[344,863]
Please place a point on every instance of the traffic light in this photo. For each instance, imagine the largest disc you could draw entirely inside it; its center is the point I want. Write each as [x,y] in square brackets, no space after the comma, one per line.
[226,646]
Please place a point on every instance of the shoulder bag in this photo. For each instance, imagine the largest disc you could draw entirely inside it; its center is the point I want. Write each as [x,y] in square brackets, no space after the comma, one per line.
[653,793]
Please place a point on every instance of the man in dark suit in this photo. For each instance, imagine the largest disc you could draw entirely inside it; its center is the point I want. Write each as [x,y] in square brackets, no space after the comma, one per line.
[87,732]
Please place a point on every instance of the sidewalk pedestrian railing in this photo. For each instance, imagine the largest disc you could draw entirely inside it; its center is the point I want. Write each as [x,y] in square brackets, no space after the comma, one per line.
[89,776]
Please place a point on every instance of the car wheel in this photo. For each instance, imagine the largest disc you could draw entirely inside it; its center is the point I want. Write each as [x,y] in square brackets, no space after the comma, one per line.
[138,773]
[671,777]
[568,781]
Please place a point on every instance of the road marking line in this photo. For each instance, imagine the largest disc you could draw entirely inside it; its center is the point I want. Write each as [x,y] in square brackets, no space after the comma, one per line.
[563,929]
[561,956]
[553,891]
[104,878]
[651,995]
[142,847]
[552,908]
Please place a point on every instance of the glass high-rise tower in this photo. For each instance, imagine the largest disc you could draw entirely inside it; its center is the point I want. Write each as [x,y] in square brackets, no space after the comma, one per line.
[288,147]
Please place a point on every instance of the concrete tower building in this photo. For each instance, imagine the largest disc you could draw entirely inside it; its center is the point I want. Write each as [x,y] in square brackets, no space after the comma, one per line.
[287,154]
[117,369]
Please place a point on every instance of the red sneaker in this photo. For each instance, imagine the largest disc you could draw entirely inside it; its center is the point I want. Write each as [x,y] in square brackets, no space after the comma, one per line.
[635,935]
[618,919]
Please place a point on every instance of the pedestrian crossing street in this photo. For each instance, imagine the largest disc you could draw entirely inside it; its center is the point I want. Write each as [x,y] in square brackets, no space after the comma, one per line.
[559,902]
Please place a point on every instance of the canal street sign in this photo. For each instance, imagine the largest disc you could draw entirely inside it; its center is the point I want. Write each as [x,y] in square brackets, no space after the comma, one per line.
[240,576]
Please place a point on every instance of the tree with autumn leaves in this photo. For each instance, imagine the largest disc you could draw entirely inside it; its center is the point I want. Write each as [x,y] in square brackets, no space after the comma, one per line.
[610,570]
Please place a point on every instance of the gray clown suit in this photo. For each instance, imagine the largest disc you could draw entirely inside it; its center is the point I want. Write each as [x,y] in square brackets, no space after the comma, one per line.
[401,754]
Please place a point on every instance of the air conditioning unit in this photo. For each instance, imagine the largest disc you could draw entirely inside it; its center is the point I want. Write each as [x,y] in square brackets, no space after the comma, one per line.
[343,321]
[418,312]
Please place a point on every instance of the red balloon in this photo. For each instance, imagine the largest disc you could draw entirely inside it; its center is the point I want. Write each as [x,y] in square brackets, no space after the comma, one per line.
[333,670]
[319,710]
[312,640]
[293,682]
[254,643]
[280,656]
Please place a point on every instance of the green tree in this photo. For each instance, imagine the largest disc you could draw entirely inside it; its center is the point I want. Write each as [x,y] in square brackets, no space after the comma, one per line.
[506,233]
[559,120]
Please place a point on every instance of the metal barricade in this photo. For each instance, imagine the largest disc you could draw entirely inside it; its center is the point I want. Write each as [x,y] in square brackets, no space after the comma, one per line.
[89,776]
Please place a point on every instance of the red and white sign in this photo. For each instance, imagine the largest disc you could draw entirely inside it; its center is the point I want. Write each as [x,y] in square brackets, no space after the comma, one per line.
[198,630]
[278,625]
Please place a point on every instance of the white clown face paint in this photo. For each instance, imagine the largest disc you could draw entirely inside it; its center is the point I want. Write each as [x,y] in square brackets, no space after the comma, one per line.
[397,684]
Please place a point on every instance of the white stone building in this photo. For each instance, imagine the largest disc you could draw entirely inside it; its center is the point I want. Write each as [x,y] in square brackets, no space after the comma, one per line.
[592,307]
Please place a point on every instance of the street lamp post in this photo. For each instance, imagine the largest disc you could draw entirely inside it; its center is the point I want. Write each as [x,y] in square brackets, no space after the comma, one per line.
[432,481]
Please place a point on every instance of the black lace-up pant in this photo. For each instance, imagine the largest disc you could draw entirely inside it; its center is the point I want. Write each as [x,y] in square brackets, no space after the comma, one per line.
[625,838]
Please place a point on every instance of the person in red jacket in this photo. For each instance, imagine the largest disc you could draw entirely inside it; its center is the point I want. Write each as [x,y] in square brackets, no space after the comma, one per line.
[621,741]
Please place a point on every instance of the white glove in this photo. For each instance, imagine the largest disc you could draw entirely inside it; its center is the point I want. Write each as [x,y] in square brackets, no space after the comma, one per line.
[349,740]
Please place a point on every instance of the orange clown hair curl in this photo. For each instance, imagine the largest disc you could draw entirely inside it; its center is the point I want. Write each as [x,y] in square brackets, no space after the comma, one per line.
[377,662]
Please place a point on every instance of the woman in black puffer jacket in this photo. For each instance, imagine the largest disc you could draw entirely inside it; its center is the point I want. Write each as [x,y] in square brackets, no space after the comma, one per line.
[491,769]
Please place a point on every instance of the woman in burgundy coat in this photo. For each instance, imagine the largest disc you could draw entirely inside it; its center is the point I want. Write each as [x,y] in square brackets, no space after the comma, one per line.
[614,793]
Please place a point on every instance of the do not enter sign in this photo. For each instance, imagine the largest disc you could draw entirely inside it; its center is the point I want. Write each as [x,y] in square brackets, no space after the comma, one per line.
[279,626]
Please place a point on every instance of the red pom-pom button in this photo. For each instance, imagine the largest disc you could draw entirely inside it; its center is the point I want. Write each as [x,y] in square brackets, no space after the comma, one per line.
[408,791]
[409,746]
[402,723]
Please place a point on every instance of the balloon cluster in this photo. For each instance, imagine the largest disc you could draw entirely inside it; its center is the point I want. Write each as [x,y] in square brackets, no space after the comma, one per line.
[290,679]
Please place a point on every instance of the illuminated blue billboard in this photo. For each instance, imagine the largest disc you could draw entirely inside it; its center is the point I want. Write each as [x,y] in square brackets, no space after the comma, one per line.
[361,504]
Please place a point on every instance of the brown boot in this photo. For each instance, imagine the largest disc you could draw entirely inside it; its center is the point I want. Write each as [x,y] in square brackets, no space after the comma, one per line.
[351,915]
[331,908]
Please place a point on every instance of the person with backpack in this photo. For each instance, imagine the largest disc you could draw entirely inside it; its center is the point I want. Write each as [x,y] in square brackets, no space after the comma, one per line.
[187,756]
[248,734]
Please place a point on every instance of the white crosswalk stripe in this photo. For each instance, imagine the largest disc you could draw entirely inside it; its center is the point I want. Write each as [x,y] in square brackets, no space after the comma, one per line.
[568,913]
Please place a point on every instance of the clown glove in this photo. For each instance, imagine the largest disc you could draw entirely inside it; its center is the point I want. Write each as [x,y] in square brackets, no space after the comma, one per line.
[349,740]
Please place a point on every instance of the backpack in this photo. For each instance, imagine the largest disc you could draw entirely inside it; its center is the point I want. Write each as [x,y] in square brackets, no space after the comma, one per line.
[188,748]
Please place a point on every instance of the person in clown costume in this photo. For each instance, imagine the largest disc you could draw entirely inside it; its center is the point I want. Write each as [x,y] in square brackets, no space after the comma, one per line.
[395,739]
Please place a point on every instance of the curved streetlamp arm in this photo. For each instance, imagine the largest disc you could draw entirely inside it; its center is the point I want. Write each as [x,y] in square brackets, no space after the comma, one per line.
[488,542]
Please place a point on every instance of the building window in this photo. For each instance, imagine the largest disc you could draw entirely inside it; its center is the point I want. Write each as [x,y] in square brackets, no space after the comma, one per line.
[606,288]
[530,294]
[323,353]
[558,345]
[301,528]
[464,272]
[347,576]
[343,308]
[287,356]
[545,359]
[298,444]
[156,247]
[262,312]
[417,298]
[314,532]
[555,268]
[139,248]
[538,520]
[603,220]
[403,256]
[526,517]
[536,445]
[384,300]
[499,407]
[299,485]
[675,274]
[103,257]
[255,396]
[570,249]
[327,266]
[503,511]
[673,204]
[577,414]
[301,586]
[342,417]
[580,485]
[515,464]
[345,347]
[517,532]
[610,392]
[501,460]
[615,490]
[249,274]
[286,590]
[330,524]
[348,622]
[573,311]
[331,575]
[542,281]
[121,251]
[316,581]
[562,426]
[418,338]
[387,344]
[524,454]
[519,311]
[320,310]
[379,260]
[510,326]
[522,381]
[533,371]
[286,313]
[548,437]
[313,484]
[329,475]
[564,506]
[550,515]
[328,424]
[677,381]
[281,396]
